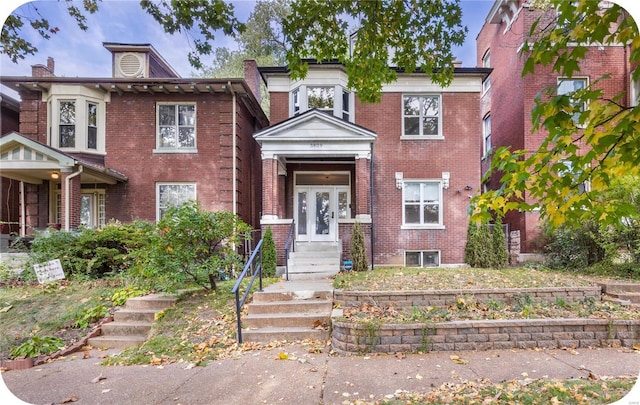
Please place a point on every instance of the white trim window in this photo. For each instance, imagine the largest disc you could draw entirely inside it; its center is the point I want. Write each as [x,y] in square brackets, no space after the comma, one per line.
[321,97]
[421,116]
[334,100]
[422,204]
[76,124]
[486,134]
[486,62]
[422,258]
[176,126]
[67,124]
[168,194]
[634,94]
[567,86]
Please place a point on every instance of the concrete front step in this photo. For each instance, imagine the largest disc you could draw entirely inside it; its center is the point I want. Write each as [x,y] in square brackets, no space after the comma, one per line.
[633,297]
[258,321]
[153,301]
[266,335]
[135,315]
[309,275]
[292,306]
[274,296]
[116,342]
[317,246]
[126,329]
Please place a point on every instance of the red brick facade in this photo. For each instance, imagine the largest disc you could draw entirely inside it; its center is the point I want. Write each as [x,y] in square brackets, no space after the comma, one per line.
[510,98]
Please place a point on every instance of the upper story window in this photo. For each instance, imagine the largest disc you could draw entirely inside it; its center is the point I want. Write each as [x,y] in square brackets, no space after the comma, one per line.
[422,203]
[176,127]
[335,100]
[421,116]
[486,62]
[486,132]
[77,124]
[635,90]
[568,86]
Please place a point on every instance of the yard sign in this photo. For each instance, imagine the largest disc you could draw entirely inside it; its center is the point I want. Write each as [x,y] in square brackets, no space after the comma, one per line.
[49,271]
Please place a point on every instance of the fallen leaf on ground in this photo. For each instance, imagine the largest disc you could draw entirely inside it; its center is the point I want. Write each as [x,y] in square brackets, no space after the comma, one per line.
[7,308]
[283,356]
[401,355]
[70,399]
[98,378]
[458,360]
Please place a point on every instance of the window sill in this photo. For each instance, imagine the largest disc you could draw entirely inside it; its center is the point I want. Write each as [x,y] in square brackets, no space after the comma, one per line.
[87,151]
[184,150]
[421,138]
[423,227]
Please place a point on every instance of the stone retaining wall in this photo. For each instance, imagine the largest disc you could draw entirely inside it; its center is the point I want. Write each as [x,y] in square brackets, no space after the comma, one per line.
[446,298]
[349,337]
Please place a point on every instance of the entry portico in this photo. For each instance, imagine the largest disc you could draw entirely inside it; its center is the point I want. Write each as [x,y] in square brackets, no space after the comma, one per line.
[316,171]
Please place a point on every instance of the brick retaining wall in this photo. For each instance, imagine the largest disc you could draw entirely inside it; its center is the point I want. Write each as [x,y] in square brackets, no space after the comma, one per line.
[446,298]
[350,337]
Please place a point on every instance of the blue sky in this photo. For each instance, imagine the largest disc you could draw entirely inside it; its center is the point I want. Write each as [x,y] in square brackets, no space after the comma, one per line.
[81,54]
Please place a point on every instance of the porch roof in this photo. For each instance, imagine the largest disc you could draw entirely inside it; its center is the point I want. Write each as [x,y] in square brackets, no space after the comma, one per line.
[27,160]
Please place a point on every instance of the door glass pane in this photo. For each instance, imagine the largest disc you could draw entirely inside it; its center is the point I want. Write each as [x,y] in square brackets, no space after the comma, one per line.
[343,205]
[322,213]
[302,213]
[85,210]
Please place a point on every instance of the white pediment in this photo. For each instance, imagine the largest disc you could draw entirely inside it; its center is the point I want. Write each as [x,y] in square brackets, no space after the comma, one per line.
[315,125]
[17,151]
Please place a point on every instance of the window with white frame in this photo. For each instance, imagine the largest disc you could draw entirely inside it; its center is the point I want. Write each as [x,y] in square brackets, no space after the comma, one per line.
[568,86]
[335,100]
[422,258]
[92,126]
[486,133]
[67,124]
[169,194]
[421,115]
[176,127]
[635,88]
[486,62]
[76,123]
[422,203]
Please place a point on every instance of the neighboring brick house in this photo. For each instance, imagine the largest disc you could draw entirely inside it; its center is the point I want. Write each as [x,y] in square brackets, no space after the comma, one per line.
[9,189]
[89,150]
[405,168]
[508,97]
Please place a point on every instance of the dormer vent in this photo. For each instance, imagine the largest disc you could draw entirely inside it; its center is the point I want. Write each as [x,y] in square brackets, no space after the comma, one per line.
[130,64]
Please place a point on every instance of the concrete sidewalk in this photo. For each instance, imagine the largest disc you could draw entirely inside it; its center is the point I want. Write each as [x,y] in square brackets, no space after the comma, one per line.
[261,377]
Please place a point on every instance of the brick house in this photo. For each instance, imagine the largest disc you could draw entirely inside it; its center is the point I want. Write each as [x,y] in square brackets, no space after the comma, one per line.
[89,150]
[508,98]
[404,168]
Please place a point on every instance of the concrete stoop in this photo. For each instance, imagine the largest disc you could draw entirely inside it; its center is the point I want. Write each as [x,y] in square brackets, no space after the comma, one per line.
[317,260]
[132,323]
[296,312]
[623,293]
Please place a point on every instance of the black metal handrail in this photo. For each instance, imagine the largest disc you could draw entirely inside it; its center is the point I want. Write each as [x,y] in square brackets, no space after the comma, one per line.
[290,243]
[257,252]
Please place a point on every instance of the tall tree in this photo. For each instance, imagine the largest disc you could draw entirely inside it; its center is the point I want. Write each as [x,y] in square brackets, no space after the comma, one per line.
[592,145]
[410,34]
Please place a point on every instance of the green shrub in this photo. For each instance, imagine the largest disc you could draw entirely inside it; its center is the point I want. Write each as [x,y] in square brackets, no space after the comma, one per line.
[193,244]
[500,253]
[36,345]
[268,254]
[358,251]
[121,295]
[479,247]
[574,247]
[91,315]
[93,253]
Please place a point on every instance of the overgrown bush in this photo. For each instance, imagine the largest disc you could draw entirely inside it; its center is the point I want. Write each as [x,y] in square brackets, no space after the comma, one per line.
[268,254]
[358,250]
[500,254]
[486,246]
[193,244]
[574,247]
[92,253]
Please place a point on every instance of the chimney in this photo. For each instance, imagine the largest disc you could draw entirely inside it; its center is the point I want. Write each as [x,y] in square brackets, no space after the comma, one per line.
[252,77]
[42,70]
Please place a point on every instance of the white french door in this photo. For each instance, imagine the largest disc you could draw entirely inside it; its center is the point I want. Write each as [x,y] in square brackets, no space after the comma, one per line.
[316,214]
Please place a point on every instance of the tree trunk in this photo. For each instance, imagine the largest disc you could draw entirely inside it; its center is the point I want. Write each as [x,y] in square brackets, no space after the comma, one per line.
[212,281]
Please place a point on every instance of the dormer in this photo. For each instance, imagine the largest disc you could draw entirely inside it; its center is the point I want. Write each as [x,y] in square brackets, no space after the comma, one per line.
[138,61]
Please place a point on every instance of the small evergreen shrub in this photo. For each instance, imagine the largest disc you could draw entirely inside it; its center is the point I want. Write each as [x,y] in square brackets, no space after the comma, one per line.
[358,251]
[500,256]
[268,254]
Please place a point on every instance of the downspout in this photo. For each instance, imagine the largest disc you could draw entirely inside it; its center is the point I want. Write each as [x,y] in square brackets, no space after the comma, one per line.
[23,211]
[67,187]
[371,207]
[233,147]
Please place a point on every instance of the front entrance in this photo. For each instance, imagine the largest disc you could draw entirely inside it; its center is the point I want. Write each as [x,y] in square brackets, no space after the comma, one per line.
[318,208]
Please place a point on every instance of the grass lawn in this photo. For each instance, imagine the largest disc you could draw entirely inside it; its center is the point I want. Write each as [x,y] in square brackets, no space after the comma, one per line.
[405,278]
